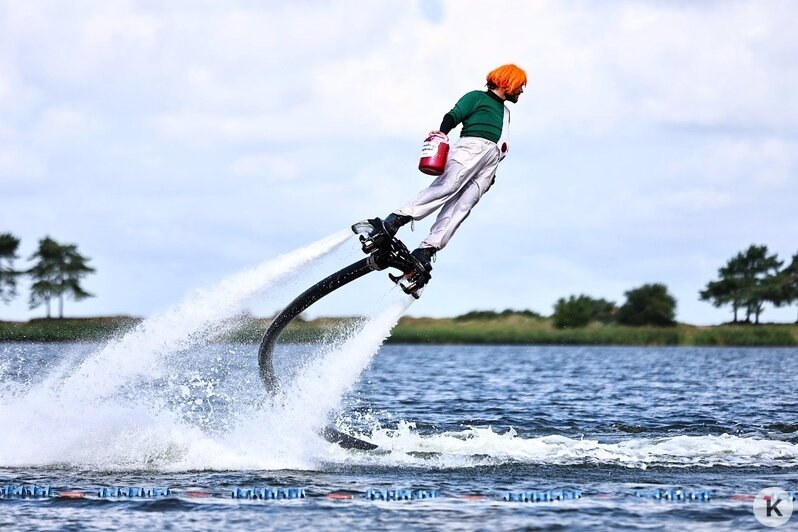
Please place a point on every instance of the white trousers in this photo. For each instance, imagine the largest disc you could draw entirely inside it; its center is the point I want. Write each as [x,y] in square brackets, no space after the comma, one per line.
[469,173]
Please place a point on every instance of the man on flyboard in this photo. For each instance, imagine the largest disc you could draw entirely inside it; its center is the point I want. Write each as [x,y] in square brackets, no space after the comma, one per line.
[470,168]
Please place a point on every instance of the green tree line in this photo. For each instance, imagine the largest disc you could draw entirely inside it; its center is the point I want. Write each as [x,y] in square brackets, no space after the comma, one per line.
[650,304]
[56,272]
[747,282]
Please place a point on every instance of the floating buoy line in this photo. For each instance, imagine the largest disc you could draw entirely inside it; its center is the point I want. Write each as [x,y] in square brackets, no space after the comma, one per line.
[37,492]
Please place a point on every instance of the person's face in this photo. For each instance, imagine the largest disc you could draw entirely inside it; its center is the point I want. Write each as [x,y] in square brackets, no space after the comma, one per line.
[513,96]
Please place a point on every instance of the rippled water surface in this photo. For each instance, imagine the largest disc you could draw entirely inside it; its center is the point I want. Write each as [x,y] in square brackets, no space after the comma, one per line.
[473,423]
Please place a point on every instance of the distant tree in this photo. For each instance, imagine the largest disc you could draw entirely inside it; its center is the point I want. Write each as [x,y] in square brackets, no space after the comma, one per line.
[44,273]
[475,315]
[760,286]
[578,311]
[484,315]
[571,312]
[748,281]
[725,291]
[57,272]
[787,284]
[526,313]
[602,310]
[8,275]
[651,304]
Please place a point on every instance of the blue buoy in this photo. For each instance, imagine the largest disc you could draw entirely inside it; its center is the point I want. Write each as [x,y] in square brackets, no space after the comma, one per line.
[132,492]
[268,493]
[399,495]
[674,495]
[542,496]
[26,491]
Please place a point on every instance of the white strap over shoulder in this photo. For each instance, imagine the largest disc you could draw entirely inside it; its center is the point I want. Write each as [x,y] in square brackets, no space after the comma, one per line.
[504,146]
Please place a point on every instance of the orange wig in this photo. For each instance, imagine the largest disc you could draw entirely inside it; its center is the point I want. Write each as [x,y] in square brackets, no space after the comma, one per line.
[508,77]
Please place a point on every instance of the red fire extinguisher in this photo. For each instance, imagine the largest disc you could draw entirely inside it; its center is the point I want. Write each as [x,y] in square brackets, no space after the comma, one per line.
[434,152]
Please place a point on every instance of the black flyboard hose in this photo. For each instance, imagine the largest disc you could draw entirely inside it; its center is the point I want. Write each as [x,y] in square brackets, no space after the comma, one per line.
[296,307]
[391,253]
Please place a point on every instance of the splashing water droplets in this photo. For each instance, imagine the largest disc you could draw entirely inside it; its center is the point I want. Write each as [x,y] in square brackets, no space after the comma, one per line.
[154,397]
[194,321]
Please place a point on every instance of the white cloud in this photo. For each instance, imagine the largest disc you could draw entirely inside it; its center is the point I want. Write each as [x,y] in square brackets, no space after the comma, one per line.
[20,165]
[269,166]
[770,162]
[64,123]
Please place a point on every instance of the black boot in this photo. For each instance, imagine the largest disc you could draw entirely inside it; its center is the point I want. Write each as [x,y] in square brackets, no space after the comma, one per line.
[425,256]
[394,221]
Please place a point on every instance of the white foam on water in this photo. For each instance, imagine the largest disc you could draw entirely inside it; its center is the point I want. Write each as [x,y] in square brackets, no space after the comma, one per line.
[474,447]
[284,433]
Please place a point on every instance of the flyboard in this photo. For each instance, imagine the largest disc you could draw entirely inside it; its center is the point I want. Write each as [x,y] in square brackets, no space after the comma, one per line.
[384,251]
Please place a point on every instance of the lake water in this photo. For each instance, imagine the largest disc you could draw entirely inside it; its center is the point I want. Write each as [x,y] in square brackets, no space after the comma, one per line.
[471,423]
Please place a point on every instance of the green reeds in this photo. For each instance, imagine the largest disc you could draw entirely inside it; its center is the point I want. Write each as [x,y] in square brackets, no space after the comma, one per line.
[501,328]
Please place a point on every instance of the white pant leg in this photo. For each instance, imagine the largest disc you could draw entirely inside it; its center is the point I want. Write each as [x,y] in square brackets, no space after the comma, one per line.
[457,209]
[440,190]
[468,156]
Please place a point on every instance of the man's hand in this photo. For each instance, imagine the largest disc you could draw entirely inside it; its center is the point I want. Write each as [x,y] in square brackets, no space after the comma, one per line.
[437,133]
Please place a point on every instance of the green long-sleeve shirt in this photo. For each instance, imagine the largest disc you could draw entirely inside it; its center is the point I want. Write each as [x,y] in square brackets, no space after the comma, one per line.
[482,115]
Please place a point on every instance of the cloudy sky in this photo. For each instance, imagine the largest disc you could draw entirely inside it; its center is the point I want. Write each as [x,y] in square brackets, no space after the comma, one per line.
[179,142]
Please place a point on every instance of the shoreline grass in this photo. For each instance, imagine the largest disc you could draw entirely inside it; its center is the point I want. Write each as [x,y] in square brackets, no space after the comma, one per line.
[526,330]
[519,329]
